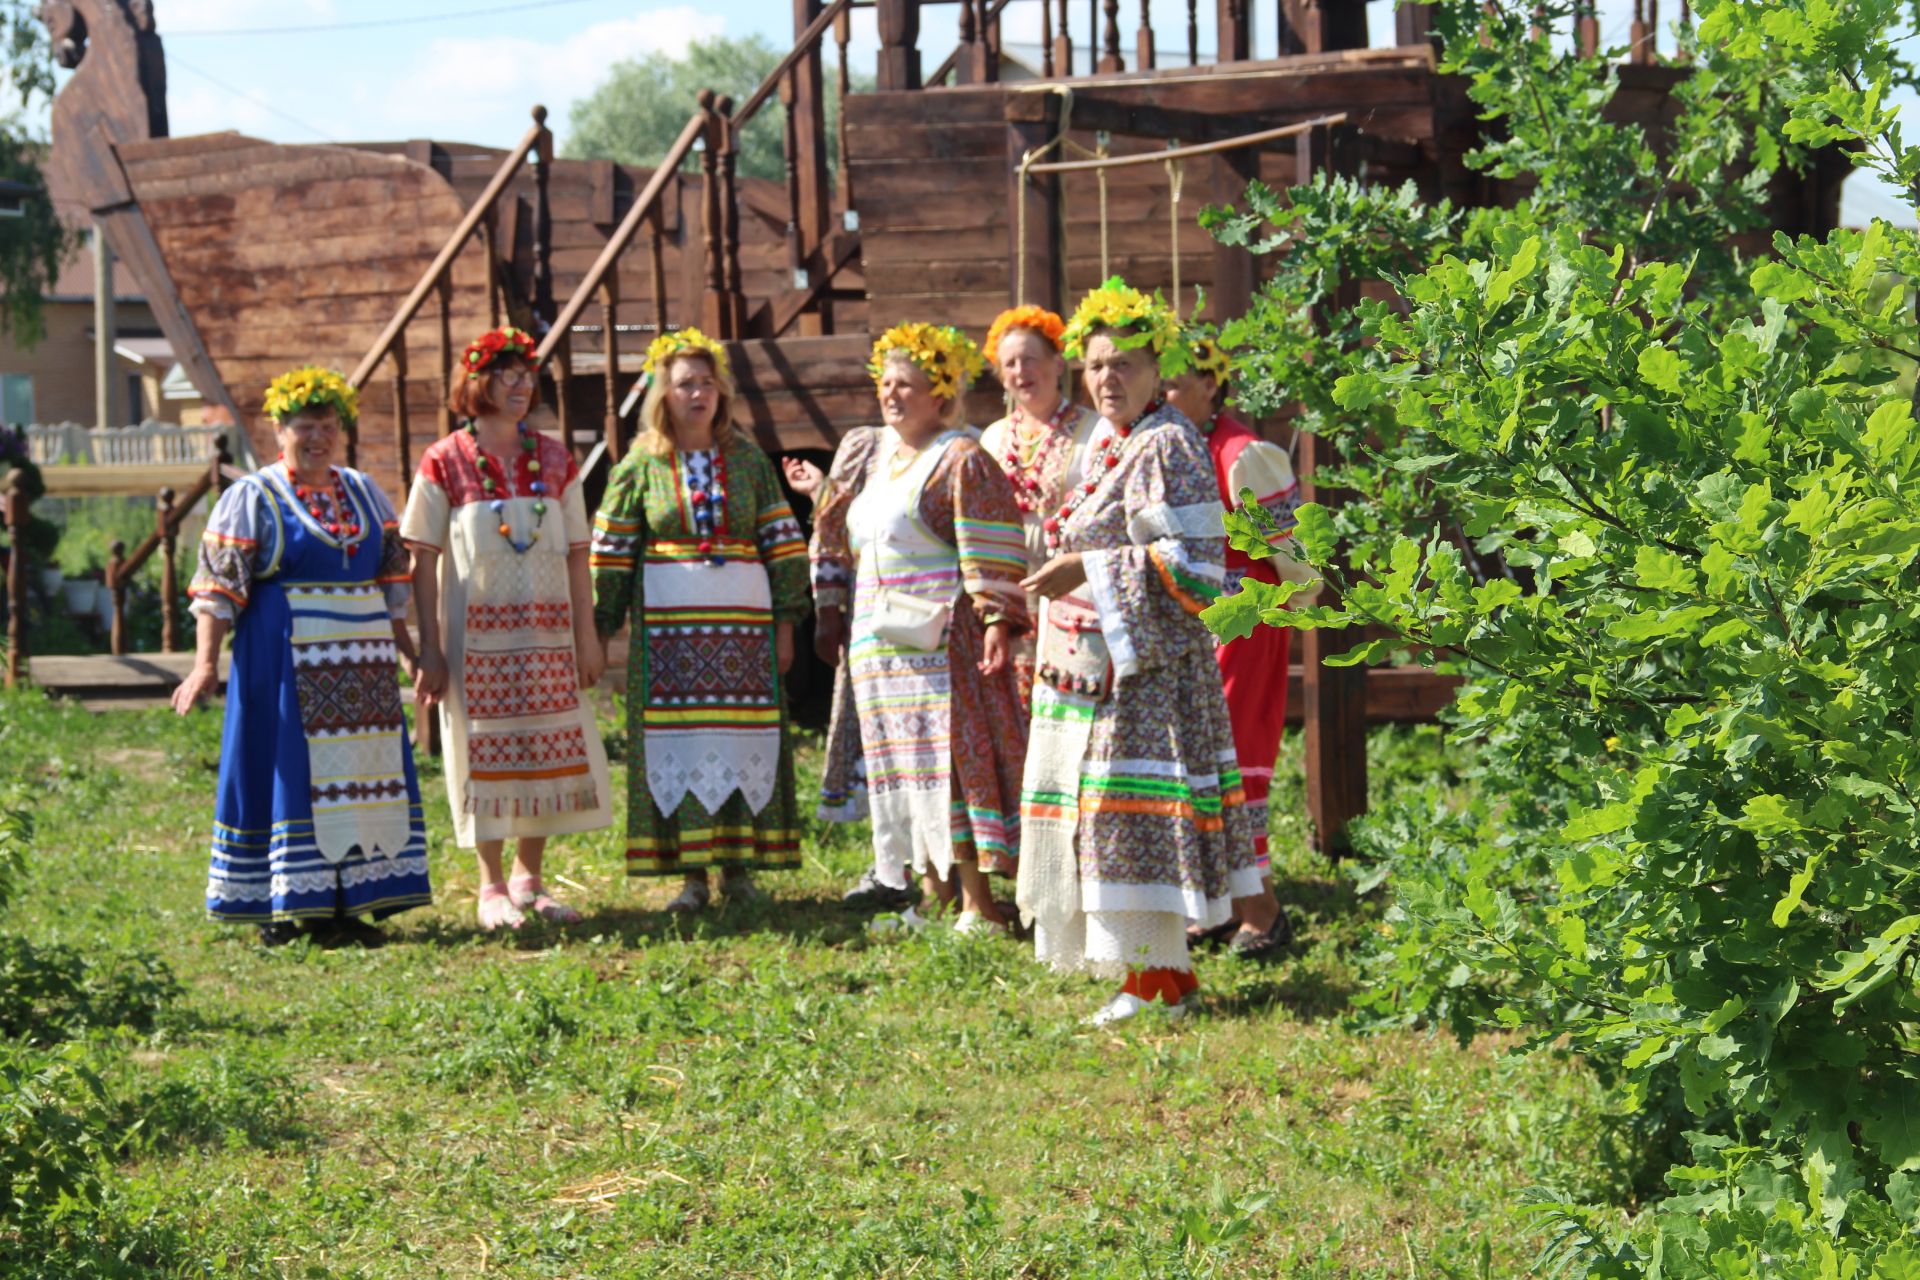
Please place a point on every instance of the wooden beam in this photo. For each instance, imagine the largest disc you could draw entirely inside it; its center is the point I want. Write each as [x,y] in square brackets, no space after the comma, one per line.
[808,112]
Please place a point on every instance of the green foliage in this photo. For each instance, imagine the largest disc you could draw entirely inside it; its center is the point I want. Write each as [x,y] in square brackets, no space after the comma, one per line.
[32,246]
[1655,502]
[634,115]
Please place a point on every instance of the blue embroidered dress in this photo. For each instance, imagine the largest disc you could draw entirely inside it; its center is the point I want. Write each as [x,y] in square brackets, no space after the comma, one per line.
[317,811]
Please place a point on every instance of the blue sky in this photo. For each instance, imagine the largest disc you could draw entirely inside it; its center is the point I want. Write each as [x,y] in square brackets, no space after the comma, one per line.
[474,78]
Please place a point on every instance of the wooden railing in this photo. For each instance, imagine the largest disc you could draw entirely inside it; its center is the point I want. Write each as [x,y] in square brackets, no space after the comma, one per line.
[713,129]
[170,512]
[483,219]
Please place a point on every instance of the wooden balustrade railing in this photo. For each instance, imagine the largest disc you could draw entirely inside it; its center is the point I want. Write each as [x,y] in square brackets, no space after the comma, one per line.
[482,218]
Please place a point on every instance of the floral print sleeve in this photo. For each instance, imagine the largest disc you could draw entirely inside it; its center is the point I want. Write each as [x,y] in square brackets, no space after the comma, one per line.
[618,528]
[783,549]
[395,574]
[242,542]
[1150,591]
[831,557]
[975,497]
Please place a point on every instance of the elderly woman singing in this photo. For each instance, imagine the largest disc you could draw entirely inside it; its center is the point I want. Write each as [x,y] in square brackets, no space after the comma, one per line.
[1132,814]
[317,816]
[932,544]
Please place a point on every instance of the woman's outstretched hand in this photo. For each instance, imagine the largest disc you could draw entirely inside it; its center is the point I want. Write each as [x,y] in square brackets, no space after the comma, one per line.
[194,687]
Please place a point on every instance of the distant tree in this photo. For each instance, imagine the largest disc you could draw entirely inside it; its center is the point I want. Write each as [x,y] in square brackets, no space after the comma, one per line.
[633,116]
[31,245]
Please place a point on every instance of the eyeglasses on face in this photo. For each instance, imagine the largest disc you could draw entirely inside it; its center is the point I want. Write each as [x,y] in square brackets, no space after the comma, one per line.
[514,377]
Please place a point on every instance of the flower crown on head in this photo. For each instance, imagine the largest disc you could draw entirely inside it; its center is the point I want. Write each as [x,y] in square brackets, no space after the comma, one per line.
[668,345]
[946,355]
[1039,319]
[309,387]
[1205,354]
[489,347]
[1133,320]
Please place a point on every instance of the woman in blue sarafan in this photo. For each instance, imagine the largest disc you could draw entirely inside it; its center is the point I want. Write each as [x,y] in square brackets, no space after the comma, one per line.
[317,820]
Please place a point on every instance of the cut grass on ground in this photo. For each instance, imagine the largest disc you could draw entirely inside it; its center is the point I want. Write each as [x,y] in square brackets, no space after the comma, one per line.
[766,1091]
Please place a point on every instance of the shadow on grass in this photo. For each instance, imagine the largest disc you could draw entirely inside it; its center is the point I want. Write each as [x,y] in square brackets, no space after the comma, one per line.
[803,921]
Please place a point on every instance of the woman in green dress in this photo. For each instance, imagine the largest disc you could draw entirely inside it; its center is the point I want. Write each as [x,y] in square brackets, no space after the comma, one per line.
[696,547]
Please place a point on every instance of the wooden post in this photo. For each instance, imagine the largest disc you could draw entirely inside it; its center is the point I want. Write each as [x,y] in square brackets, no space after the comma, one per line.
[898,64]
[543,305]
[843,85]
[1193,33]
[106,332]
[1639,45]
[1063,46]
[610,311]
[402,426]
[17,512]
[562,368]
[1413,24]
[117,588]
[443,288]
[1143,51]
[1032,121]
[1334,698]
[1236,32]
[1586,29]
[1046,39]
[1110,59]
[730,219]
[713,306]
[169,572]
[964,67]
[1233,266]
[807,115]
[490,244]
[979,62]
[657,270]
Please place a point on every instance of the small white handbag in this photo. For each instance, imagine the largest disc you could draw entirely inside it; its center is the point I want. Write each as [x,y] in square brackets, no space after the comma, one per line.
[902,619]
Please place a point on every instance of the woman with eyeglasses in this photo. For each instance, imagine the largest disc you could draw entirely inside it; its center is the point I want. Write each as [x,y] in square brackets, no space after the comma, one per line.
[500,541]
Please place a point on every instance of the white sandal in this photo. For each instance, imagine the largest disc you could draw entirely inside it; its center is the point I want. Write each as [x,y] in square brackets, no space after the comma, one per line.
[694,897]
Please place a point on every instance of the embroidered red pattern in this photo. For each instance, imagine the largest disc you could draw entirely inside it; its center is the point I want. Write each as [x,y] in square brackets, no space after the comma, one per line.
[535,615]
[529,753]
[521,682]
[450,464]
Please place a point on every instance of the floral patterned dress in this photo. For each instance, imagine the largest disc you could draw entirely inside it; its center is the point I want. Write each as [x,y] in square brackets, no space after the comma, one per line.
[709,751]
[944,744]
[843,773]
[1133,817]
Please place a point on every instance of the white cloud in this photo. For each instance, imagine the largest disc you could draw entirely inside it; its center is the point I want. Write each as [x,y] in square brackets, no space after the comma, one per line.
[479,89]
[194,106]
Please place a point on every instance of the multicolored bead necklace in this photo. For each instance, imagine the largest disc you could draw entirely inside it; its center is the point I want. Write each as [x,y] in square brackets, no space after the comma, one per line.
[341,522]
[1104,459]
[499,487]
[709,505]
[1026,476]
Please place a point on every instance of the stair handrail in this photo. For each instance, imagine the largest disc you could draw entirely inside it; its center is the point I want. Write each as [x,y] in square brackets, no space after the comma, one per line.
[538,136]
[801,48]
[946,68]
[170,511]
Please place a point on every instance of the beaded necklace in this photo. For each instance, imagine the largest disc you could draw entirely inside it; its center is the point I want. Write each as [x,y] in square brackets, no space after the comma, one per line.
[499,486]
[342,523]
[709,505]
[1104,459]
[1026,475]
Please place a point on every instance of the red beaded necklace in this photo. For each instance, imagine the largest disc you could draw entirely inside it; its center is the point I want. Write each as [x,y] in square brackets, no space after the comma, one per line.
[1104,459]
[332,509]
[710,504]
[1026,477]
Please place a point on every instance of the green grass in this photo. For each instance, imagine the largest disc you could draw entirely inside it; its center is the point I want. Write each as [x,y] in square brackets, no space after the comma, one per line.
[768,1091]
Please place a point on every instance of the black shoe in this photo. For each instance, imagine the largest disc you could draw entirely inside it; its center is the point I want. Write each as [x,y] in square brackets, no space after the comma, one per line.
[352,931]
[1197,938]
[278,933]
[868,894]
[1263,946]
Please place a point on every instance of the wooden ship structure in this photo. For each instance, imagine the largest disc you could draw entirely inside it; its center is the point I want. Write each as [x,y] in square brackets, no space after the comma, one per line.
[957,193]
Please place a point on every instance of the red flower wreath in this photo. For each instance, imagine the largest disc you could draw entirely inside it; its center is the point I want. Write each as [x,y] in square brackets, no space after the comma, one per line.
[489,347]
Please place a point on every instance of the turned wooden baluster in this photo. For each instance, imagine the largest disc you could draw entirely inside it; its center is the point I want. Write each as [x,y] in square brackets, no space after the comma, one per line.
[1640,40]
[117,588]
[963,67]
[657,270]
[1586,29]
[169,572]
[1110,59]
[843,84]
[1193,33]
[730,218]
[610,313]
[443,291]
[1046,39]
[1063,46]
[17,508]
[402,428]
[1143,51]
[542,299]
[490,244]
[790,146]
[713,308]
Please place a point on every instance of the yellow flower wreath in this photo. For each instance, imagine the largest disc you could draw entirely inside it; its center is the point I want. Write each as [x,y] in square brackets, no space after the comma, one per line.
[668,345]
[307,387]
[946,355]
[1133,320]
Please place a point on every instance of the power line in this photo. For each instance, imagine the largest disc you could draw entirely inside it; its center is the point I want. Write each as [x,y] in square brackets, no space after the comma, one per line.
[177,61]
[370,23]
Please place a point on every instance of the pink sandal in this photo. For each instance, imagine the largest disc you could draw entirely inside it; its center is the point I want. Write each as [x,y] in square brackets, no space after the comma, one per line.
[530,895]
[497,910]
